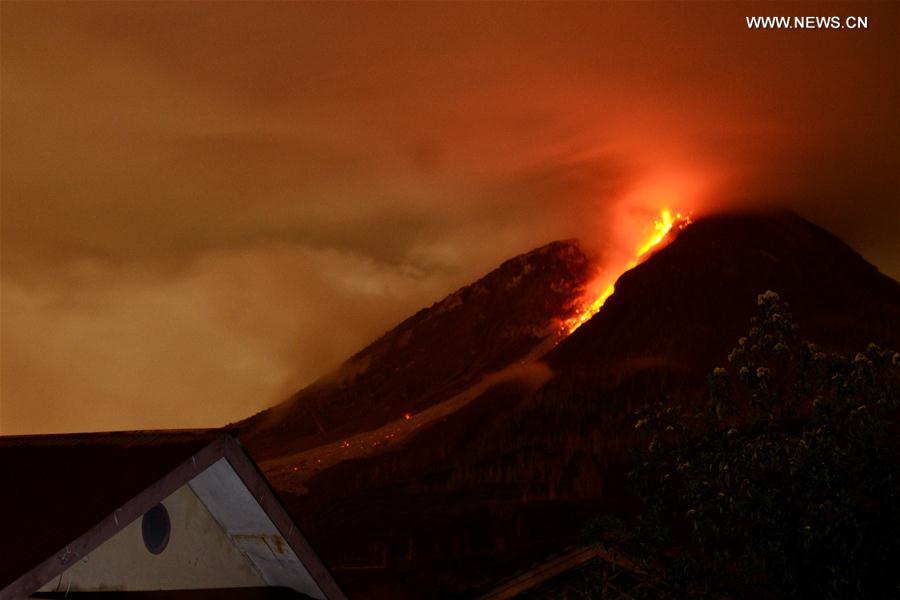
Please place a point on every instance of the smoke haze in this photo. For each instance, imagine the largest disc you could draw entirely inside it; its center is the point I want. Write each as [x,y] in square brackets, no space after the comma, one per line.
[206,206]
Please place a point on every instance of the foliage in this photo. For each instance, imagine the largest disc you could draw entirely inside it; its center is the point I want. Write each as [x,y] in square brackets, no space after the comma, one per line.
[786,486]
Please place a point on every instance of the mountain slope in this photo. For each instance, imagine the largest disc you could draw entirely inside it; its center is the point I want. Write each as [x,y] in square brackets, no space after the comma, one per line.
[686,306]
[512,475]
[435,354]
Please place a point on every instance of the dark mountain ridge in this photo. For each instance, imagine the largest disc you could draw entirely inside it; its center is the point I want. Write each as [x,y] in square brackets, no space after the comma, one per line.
[436,353]
[694,297]
[513,475]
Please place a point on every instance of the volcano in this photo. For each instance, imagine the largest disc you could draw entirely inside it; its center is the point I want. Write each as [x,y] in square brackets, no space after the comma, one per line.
[439,352]
[474,438]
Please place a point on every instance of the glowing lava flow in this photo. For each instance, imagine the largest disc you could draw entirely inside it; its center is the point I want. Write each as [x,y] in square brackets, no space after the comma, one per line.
[662,227]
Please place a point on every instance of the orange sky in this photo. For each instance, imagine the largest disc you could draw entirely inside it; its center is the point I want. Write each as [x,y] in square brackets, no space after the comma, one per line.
[204,206]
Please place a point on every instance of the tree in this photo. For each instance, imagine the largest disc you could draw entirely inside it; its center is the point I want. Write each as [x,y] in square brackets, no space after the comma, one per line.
[786,486]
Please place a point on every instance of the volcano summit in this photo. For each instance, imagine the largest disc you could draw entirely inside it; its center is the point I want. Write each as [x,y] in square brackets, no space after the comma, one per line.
[472,440]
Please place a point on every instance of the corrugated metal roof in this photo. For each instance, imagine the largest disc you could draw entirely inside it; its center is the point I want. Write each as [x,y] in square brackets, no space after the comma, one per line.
[57,487]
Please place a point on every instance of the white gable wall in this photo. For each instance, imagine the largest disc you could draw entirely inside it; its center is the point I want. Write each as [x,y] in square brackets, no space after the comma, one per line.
[199,555]
[246,523]
[220,538]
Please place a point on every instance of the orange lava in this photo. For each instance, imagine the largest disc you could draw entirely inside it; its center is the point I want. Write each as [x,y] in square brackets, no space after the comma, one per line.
[661,228]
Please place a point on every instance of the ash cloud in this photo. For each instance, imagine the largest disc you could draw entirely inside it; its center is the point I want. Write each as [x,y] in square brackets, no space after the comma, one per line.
[206,207]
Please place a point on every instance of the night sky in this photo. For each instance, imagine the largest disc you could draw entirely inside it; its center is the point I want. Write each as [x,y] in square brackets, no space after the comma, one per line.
[206,206]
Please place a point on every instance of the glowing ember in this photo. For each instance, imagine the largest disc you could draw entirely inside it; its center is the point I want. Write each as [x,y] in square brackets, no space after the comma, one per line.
[662,227]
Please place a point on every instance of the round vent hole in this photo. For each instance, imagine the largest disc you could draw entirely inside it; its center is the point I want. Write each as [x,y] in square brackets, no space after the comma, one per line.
[156,527]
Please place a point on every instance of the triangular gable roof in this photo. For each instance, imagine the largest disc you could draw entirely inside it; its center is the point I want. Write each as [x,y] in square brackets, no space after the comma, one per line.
[64,495]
